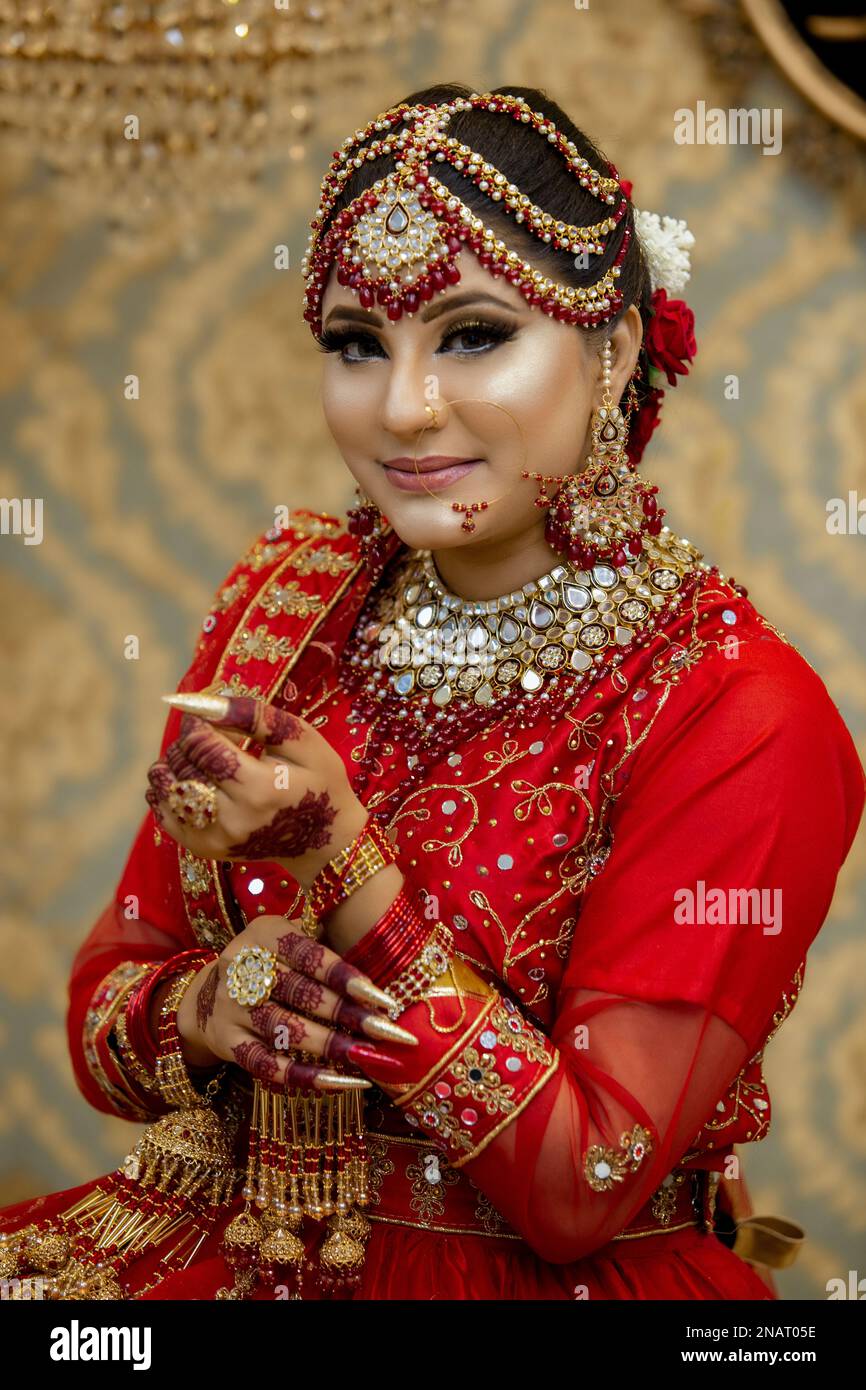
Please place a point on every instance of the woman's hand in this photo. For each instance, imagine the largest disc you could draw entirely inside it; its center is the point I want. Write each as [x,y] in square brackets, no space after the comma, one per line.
[293,805]
[311,979]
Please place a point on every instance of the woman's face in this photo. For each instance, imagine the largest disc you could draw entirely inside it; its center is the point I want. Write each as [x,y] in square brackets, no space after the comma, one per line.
[477,342]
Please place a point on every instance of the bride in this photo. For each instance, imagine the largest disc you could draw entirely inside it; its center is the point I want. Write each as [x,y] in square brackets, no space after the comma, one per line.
[398,972]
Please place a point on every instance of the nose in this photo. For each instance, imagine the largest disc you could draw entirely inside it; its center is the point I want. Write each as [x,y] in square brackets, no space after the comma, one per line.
[411,402]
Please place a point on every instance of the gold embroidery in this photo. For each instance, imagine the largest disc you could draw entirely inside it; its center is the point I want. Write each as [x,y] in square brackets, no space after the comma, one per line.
[235,686]
[208,931]
[259,645]
[194,874]
[430,1175]
[323,560]
[489,1217]
[264,553]
[379,1166]
[289,599]
[513,1031]
[664,1201]
[476,1076]
[604,1167]
[231,593]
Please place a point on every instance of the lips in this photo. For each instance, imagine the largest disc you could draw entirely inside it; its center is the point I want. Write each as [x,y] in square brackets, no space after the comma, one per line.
[431,464]
[433,478]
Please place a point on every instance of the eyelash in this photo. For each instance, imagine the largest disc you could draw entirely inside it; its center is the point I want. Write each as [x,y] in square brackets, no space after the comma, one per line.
[337,339]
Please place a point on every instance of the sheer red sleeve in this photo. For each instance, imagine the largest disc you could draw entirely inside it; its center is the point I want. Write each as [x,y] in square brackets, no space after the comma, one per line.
[726,846]
[143,926]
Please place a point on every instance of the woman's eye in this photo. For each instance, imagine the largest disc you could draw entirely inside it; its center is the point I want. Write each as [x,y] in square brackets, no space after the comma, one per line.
[473,338]
[364,347]
[466,339]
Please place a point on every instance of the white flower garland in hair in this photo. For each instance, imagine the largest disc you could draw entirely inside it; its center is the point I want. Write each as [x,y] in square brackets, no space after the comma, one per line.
[665,243]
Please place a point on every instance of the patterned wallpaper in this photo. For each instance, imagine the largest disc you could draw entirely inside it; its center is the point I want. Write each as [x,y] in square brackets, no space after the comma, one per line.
[148,503]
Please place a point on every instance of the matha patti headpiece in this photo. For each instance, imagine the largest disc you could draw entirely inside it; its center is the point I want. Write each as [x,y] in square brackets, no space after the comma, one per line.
[396,244]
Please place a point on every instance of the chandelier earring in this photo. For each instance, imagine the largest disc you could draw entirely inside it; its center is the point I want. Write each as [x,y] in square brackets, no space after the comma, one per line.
[367,523]
[600,515]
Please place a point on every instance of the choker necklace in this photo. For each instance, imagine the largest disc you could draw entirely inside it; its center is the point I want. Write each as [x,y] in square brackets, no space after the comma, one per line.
[430,648]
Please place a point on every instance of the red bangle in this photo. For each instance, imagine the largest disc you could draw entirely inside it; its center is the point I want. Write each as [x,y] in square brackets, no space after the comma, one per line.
[138,1026]
[392,942]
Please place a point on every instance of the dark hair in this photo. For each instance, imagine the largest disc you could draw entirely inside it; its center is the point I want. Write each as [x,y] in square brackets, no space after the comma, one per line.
[540,172]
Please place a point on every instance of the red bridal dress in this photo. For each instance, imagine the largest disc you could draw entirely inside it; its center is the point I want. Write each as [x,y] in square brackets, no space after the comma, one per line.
[631,876]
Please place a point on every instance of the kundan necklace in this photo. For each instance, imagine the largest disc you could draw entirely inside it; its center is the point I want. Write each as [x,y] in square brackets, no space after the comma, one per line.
[422,643]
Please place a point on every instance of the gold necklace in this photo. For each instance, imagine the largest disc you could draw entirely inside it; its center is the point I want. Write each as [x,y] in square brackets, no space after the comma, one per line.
[423,640]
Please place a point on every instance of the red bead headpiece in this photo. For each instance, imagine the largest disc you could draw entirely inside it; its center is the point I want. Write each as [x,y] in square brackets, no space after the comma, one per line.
[397,242]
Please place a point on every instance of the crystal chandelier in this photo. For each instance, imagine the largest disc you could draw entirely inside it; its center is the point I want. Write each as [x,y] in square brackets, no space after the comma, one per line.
[151,113]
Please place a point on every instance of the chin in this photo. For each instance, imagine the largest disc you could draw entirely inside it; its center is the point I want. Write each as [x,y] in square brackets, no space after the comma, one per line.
[427,525]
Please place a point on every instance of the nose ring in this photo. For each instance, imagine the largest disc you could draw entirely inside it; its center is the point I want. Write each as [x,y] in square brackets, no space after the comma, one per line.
[434,414]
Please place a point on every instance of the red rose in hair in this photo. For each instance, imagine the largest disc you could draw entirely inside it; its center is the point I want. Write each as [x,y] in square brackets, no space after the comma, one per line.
[643,422]
[670,336]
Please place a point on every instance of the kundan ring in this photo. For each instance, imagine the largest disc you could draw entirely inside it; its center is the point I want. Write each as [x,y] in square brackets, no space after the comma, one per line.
[251,975]
[194,803]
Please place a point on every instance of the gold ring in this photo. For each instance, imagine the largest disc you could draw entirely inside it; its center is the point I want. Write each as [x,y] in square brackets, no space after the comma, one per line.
[194,803]
[251,975]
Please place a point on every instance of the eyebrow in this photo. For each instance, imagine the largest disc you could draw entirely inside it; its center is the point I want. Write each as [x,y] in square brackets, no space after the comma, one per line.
[432,311]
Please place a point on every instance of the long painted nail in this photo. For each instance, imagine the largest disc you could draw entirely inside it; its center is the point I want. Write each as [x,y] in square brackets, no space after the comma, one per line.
[363,1056]
[376,1027]
[359,988]
[206,706]
[336,1081]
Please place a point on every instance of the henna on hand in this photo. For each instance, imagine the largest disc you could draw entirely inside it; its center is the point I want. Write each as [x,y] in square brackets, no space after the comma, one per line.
[180,764]
[291,831]
[283,727]
[206,999]
[207,753]
[309,957]
[300,952]
[297,991]
[263,722]
[161,779]
[267,1018]
[257,1059]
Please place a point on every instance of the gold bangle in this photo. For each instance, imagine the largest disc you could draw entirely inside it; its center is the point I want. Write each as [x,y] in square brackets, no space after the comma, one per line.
[173,1078]
[133,1063]
[417,979]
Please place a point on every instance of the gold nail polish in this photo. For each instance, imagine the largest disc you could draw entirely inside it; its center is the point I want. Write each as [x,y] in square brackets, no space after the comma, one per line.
[376,1027]
[370,993]
[342,1083]
[205,706]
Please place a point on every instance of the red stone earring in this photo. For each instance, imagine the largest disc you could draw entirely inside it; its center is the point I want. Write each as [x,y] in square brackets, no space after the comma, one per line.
[367,523]
[600,515]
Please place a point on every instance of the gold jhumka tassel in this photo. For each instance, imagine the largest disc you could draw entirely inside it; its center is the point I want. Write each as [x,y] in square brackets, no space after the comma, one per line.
[172,1184]
[307,1158]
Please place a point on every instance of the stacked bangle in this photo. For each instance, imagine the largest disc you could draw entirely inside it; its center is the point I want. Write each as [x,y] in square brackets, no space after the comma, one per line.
[370,851]
[415,981]
[138,1008]
[172,1075]
[392,942]
[130,1059]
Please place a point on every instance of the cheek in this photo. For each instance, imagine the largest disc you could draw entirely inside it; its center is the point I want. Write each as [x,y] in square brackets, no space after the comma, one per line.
[346,401]
[547,389]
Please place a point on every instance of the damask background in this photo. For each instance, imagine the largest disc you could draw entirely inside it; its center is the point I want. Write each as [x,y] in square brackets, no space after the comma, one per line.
[149,502]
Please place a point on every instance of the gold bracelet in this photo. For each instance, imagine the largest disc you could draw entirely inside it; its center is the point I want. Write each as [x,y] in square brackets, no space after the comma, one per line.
[369,859]
[133,1063]
[172,1075]
[415,981]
